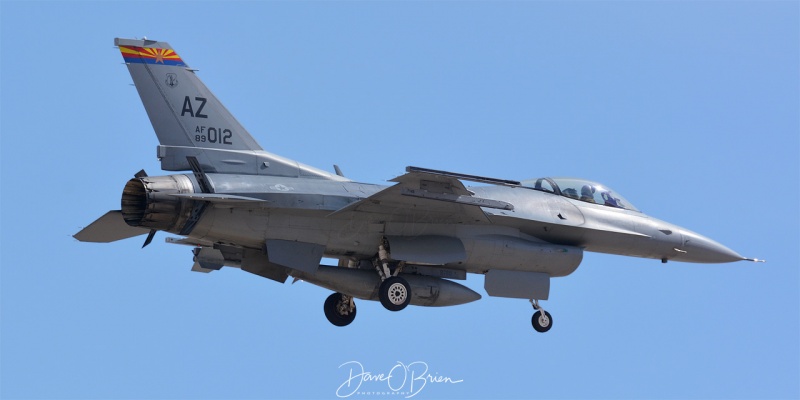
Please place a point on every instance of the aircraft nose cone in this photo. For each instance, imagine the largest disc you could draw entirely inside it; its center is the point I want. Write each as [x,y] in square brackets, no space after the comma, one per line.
[701,249]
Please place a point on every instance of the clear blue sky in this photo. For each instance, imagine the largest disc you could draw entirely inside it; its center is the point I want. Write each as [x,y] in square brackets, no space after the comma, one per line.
[688,109]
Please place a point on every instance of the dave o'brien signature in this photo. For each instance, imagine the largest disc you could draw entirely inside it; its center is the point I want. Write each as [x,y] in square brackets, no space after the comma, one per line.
[407,378]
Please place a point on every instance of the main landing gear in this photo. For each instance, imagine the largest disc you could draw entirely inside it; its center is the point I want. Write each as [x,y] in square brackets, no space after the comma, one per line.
[542,321]
[394,292]
[340,309]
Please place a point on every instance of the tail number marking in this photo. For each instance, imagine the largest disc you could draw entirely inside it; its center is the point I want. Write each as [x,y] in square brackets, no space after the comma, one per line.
[205,134]
[213,135]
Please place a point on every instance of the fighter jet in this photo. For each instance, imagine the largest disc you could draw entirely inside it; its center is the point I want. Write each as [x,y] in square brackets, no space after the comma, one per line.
[238,205]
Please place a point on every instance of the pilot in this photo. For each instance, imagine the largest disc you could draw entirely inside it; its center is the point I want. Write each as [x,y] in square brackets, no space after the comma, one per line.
[587,193]
[571,193]
[610,200]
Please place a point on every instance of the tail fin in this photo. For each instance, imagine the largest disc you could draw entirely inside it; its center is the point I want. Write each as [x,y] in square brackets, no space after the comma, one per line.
[191,122]
[196,118]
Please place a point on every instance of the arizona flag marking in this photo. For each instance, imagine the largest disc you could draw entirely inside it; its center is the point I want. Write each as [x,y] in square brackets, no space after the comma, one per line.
[148,55]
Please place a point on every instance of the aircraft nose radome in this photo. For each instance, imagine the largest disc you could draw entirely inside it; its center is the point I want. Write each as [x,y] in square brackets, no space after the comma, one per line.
[701,249]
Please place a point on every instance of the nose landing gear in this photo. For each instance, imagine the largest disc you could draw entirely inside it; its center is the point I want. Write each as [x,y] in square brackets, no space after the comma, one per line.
[542,321]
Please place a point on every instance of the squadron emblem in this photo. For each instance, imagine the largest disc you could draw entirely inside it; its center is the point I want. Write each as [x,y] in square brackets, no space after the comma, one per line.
[172,80]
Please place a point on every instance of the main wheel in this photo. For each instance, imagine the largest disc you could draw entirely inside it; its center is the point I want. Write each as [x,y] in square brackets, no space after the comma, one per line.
[337,311]
[542,322]
[395,293]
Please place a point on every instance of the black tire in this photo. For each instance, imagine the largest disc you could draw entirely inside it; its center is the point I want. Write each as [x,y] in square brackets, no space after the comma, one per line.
[545,324]
[332,307]
[394,293]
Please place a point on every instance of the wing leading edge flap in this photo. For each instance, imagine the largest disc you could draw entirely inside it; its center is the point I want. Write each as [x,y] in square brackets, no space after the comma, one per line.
[466,177]
[430,195]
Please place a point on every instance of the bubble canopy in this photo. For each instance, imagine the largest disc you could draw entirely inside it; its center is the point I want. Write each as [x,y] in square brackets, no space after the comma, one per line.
[582,190]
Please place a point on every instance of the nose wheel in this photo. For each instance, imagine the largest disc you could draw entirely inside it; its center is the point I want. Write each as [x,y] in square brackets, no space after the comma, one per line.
[542,321]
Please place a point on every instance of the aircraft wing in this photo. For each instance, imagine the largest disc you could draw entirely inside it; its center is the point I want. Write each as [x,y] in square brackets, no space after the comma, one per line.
[423,195]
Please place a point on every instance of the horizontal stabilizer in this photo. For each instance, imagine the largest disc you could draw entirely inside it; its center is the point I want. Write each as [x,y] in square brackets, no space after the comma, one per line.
[109,228]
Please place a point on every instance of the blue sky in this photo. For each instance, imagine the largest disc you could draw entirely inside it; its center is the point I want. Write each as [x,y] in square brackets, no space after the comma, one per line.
[688,109]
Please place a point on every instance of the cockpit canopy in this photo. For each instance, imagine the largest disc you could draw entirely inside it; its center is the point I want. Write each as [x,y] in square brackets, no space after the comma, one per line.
[579,189]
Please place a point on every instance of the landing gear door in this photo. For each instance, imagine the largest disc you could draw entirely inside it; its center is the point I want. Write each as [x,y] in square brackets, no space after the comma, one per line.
[517,284]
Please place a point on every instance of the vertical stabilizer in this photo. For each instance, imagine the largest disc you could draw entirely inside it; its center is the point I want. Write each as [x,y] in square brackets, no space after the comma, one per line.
[191,122]
[181,108]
